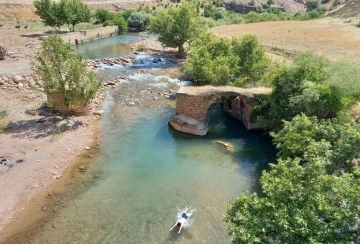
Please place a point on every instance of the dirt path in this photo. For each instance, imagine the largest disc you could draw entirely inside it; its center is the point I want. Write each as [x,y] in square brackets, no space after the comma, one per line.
[329,37]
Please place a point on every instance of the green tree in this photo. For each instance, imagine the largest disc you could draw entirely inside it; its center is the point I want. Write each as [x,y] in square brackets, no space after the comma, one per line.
[50,12]
[253,62]
[121,23]
[340,136]
[301,204]
[219,61]
[177,26]
[139,20]
[302,87]
[312,5]
[212,60]
[65,72]
[102,15]
[75,12]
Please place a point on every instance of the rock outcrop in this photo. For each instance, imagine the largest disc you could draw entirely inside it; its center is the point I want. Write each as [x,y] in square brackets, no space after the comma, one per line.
[192,105]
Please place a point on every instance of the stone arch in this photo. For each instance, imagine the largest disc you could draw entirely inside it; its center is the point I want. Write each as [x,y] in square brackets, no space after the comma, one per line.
[192,104]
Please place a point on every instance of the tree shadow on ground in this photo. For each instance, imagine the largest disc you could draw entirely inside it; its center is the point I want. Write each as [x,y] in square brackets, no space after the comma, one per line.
[43,127]
[49,124]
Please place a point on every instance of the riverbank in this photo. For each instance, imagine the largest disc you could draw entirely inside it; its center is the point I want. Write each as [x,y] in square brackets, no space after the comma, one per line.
[37,148]
[42,152]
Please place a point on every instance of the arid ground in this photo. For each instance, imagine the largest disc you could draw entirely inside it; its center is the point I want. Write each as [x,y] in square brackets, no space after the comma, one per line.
[329,37]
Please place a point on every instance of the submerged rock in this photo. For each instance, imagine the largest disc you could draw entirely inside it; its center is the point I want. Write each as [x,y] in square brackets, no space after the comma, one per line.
[229,147]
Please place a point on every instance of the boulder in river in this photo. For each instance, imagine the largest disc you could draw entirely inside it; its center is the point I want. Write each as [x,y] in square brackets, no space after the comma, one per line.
[229,147]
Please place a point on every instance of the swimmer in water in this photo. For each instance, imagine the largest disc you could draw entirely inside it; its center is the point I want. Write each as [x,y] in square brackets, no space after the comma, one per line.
[180,222]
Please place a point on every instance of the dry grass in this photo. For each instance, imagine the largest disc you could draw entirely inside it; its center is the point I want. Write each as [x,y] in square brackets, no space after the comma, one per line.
[329,37]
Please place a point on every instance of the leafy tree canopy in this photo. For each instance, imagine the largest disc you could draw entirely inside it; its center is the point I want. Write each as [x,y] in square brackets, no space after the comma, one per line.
[177,26]
[220,61]
[312,194]
[64,71]
[301,87]
[300,204]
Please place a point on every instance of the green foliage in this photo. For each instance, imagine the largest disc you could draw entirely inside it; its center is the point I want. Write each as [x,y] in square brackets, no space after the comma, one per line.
[253,61]
[75,12]
[336,141]
[300,204]
[50,13]
[139,20]
[222,62]
[121,23]
[177,26]
[3,114]
[108,18]
[212,60]
[302,87]
[312,5]
[345,76]
[65,71]
[102,15]
[126,13]
[56,14]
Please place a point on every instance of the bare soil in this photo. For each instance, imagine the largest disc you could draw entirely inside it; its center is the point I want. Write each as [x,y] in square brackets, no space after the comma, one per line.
[329,37]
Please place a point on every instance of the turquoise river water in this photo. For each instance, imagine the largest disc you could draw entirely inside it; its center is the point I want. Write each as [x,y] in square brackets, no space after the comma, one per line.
[146,171]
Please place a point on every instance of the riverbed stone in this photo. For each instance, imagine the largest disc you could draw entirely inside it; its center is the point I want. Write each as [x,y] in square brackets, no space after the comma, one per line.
[98,113]
[228,146]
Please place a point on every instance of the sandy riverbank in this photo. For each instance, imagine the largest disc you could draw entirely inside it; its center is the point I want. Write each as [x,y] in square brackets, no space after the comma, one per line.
[37,147]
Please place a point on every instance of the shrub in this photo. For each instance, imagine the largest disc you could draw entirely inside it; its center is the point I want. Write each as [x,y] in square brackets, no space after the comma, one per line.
[219,61]
[302,87]
[121,23]
[211,61]
[219,15]
[312,5]
[64,72]
[252,17]
[253,62]
[102,15]
[300,135]
[141,47]
[139,20]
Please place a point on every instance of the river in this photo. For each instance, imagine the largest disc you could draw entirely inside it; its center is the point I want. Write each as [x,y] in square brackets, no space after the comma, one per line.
[146,171]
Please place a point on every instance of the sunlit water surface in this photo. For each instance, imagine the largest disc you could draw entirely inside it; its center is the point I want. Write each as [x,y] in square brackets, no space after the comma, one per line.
[146,171]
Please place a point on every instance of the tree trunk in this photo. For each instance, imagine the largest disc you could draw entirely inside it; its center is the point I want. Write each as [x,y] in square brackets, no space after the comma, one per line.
[181,51]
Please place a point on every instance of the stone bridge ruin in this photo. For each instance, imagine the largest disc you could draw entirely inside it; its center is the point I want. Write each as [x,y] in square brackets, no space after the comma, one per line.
[192,104]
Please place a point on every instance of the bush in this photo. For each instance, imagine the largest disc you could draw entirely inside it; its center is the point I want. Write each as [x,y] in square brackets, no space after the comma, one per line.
[64,72]
[211,61]
[219,61]
[139,20]
[312,5]
[102,15]
[302,87]
[121,23]
[252,17]
[219,15]
[341,138]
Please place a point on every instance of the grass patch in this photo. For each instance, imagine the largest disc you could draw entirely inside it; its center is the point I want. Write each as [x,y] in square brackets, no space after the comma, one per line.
[358,24]
[3,114]
[141,47]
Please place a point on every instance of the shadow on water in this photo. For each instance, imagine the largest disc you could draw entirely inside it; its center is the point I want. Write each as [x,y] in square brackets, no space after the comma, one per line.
[254,149]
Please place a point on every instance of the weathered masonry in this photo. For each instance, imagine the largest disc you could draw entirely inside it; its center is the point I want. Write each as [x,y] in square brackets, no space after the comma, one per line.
[192,104]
